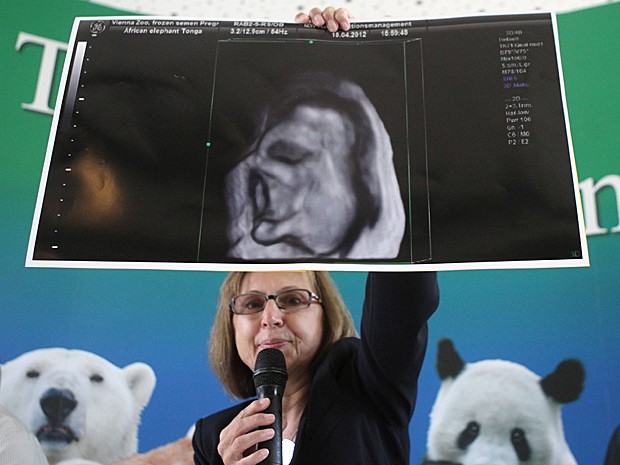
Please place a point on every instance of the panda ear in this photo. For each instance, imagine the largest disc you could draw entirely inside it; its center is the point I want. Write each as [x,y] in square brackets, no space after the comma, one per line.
[449,362]
[565,383]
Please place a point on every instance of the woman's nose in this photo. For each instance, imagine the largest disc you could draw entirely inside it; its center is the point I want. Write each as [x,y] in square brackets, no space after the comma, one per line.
[272,315]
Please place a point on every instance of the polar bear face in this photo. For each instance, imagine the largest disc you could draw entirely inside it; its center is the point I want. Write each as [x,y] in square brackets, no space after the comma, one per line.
[496,412]
[78,404]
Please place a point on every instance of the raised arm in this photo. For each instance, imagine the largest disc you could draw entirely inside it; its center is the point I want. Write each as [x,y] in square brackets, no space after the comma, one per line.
[394,338]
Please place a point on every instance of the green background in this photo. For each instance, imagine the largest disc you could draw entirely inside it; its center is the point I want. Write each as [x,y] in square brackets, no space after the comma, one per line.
[533,317]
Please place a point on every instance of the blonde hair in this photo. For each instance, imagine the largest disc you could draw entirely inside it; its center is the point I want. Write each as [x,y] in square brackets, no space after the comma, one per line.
[224,359]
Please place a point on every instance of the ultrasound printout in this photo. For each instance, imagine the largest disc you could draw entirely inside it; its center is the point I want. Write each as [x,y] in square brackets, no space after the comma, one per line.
[401,145]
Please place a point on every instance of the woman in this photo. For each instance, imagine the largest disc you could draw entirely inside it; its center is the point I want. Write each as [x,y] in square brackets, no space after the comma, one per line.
[348,400]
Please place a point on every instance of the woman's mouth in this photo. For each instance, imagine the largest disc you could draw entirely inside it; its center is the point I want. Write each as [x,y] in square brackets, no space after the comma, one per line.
[272,343]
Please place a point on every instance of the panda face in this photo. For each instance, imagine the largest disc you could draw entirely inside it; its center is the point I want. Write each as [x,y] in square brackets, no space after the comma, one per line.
[518,440]
[495,413]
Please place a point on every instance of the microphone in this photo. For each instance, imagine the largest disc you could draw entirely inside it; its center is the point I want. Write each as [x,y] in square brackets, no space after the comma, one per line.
[269,380]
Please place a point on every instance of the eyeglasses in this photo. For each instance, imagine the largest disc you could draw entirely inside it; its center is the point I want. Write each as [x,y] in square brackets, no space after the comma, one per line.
[287,301]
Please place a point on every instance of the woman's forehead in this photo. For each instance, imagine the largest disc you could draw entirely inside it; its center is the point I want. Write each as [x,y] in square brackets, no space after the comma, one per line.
[274,281]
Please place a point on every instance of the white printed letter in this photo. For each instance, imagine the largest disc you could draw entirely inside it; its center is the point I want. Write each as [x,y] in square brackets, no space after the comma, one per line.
[590,205]
[41,102]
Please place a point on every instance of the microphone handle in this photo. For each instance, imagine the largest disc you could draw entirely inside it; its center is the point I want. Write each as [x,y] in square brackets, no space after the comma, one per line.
[274,445]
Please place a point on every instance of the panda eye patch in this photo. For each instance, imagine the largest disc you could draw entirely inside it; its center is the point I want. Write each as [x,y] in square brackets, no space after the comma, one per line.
[32,373]
[468,435]
[96,378]
[520,443]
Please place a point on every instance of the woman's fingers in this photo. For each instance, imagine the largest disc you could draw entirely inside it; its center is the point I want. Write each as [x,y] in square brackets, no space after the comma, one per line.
[330,17]
[238,440]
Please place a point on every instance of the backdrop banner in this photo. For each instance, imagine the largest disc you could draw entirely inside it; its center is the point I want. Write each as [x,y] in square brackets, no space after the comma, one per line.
[146,329]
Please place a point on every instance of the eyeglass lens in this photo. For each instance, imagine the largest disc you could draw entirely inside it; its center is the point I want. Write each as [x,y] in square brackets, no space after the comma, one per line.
[291,300]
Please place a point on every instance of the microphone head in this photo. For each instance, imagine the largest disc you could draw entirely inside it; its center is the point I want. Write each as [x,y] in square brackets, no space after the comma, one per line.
[270,369]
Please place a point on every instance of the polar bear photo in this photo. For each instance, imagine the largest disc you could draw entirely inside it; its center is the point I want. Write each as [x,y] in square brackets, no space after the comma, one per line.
[497,412]
[82,408]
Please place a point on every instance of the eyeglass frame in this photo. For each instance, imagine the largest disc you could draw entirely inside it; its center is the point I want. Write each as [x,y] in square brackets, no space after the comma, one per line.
[274,297]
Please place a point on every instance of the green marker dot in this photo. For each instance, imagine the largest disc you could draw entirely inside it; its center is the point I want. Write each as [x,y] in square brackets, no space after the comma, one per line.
[311,41]
[208,144]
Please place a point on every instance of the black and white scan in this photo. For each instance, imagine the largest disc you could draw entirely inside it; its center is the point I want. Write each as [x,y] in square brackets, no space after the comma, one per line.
[319,180]
[404,145]
[316,177]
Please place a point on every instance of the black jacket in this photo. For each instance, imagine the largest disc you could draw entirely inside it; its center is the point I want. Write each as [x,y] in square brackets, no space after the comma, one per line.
[363,393]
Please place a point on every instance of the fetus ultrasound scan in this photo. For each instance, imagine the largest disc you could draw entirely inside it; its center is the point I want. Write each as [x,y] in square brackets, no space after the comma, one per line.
[399,145]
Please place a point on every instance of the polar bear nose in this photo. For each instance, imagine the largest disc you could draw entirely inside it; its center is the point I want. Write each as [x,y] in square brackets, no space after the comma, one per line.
[57,404]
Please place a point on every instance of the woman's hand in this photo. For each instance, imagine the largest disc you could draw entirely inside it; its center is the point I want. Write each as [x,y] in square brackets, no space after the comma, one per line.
[239,439]
[331,17]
